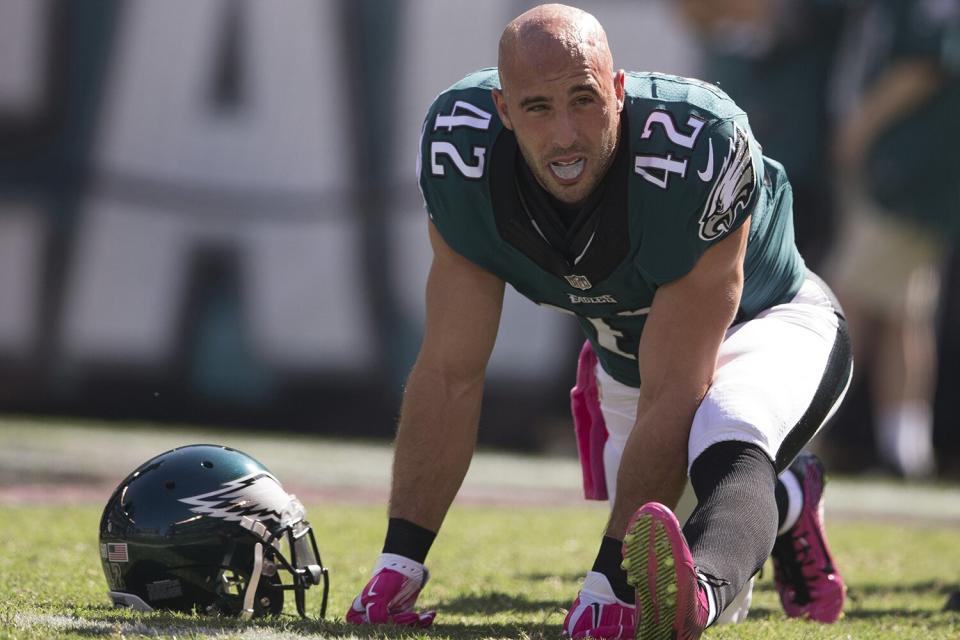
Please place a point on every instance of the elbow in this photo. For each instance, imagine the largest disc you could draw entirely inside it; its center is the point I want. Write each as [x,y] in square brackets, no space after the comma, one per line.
[450,379]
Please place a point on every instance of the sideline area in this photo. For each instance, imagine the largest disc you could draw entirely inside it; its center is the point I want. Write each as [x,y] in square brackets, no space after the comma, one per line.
[71,461]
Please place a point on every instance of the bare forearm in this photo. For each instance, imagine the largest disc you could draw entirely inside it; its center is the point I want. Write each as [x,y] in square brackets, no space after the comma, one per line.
[677,359]
[654,463]
[435,442]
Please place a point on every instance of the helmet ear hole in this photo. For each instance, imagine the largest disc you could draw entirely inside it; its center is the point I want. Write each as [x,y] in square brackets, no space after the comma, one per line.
[170,485]
[207,464]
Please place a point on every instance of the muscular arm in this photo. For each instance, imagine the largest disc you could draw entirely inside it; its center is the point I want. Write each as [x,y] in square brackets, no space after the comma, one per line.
[441,404]
[677,357]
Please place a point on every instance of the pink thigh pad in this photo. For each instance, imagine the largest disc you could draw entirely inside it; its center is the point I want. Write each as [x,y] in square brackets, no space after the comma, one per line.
[589,425]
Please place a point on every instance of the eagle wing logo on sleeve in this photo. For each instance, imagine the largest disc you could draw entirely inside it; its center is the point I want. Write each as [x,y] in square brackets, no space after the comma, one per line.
[732,189]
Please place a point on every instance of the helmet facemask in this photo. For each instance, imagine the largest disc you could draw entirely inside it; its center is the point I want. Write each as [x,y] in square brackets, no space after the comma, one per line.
[304,564]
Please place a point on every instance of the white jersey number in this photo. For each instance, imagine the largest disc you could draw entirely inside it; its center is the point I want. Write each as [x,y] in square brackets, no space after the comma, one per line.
[463,114]
[657,169]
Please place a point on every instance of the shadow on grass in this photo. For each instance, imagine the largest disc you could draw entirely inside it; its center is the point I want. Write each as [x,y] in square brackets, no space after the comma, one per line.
[851,612]
[569,577]
[765,613]
[900,614]
[924,587]
[869,590]
[867,594]
[495,602]
[96,622]
[102,621]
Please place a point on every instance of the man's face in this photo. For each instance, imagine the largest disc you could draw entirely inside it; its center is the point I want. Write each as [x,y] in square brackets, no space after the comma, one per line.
[565,112]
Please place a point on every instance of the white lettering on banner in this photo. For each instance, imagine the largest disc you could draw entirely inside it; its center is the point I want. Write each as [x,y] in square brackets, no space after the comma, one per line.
[22,231]
[159,121]
[23,63]
[24,35]
[163,141]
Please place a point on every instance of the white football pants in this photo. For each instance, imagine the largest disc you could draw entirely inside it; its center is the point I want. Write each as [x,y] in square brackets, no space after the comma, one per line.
[768,370]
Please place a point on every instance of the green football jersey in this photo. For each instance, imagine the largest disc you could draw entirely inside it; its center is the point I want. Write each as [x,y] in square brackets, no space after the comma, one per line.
[687,173]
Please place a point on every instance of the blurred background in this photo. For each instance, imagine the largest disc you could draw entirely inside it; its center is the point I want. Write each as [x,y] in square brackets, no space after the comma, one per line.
[209,211]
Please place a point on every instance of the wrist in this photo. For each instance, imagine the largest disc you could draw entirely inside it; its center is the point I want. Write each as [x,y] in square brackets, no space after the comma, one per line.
[408,540]
[405,566]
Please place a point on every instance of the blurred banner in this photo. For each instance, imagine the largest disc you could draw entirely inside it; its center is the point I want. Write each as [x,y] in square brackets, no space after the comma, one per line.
[208,209]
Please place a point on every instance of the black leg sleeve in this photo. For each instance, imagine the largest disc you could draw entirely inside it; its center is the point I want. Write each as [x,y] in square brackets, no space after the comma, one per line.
[733,528]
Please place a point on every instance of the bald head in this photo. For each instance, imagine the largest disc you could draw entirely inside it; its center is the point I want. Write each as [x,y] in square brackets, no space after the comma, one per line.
[551,32]
[560,97]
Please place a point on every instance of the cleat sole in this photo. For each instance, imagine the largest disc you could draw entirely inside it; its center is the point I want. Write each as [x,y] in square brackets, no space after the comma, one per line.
[651,571]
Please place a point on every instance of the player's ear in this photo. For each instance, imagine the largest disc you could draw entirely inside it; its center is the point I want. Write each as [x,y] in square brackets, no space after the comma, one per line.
[501,103]
[619,81]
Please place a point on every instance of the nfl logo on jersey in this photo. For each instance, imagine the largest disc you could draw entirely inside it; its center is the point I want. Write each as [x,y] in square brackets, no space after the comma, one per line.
[580,282]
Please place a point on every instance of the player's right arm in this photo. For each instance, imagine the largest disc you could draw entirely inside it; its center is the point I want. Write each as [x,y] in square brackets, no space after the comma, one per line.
[438,426]
[441,404]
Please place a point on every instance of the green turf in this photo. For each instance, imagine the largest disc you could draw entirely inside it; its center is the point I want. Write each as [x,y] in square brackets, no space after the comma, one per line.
[497,572]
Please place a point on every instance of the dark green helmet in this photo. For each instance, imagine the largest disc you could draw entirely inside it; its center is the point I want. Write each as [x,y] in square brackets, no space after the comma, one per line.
[209,529]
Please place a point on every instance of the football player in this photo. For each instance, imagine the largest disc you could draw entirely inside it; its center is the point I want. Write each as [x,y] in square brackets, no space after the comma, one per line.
[897,96]
[640,203]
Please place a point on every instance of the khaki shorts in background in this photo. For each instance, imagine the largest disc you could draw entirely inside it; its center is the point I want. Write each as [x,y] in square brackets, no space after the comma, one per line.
[885,262]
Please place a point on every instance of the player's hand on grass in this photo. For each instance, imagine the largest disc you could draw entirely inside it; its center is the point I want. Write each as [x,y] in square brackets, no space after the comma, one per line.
[389,596]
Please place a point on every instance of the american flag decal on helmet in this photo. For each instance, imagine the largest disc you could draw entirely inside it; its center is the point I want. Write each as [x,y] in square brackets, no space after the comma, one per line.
[258,495]
[117,552]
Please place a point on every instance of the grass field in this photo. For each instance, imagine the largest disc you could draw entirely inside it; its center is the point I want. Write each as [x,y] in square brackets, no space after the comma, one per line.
[502,567]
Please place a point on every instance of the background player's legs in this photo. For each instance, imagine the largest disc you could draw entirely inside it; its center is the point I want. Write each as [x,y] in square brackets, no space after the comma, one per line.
[904,384]
[887,277]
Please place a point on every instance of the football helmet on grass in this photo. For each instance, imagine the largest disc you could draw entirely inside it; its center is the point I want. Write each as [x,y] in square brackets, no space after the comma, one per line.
[207,528]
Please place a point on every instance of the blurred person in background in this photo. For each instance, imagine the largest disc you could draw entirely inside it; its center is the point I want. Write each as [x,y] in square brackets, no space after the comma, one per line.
[897,98]
[642,204]
[773,57]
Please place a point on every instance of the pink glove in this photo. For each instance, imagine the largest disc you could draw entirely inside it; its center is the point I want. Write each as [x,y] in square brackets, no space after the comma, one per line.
[597,613]
[391,593]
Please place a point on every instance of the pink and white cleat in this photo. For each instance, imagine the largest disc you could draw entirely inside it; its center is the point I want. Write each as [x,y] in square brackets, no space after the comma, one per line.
[671,605]
[804,571]
[598,613]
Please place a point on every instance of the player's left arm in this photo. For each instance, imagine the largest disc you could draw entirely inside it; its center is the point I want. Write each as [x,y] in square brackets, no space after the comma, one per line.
[677,357]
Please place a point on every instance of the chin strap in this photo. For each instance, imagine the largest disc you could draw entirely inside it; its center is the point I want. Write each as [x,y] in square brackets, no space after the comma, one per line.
[252,584]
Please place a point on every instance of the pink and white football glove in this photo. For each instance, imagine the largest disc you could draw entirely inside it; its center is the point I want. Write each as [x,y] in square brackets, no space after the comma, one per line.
[597,613]
[391,593]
